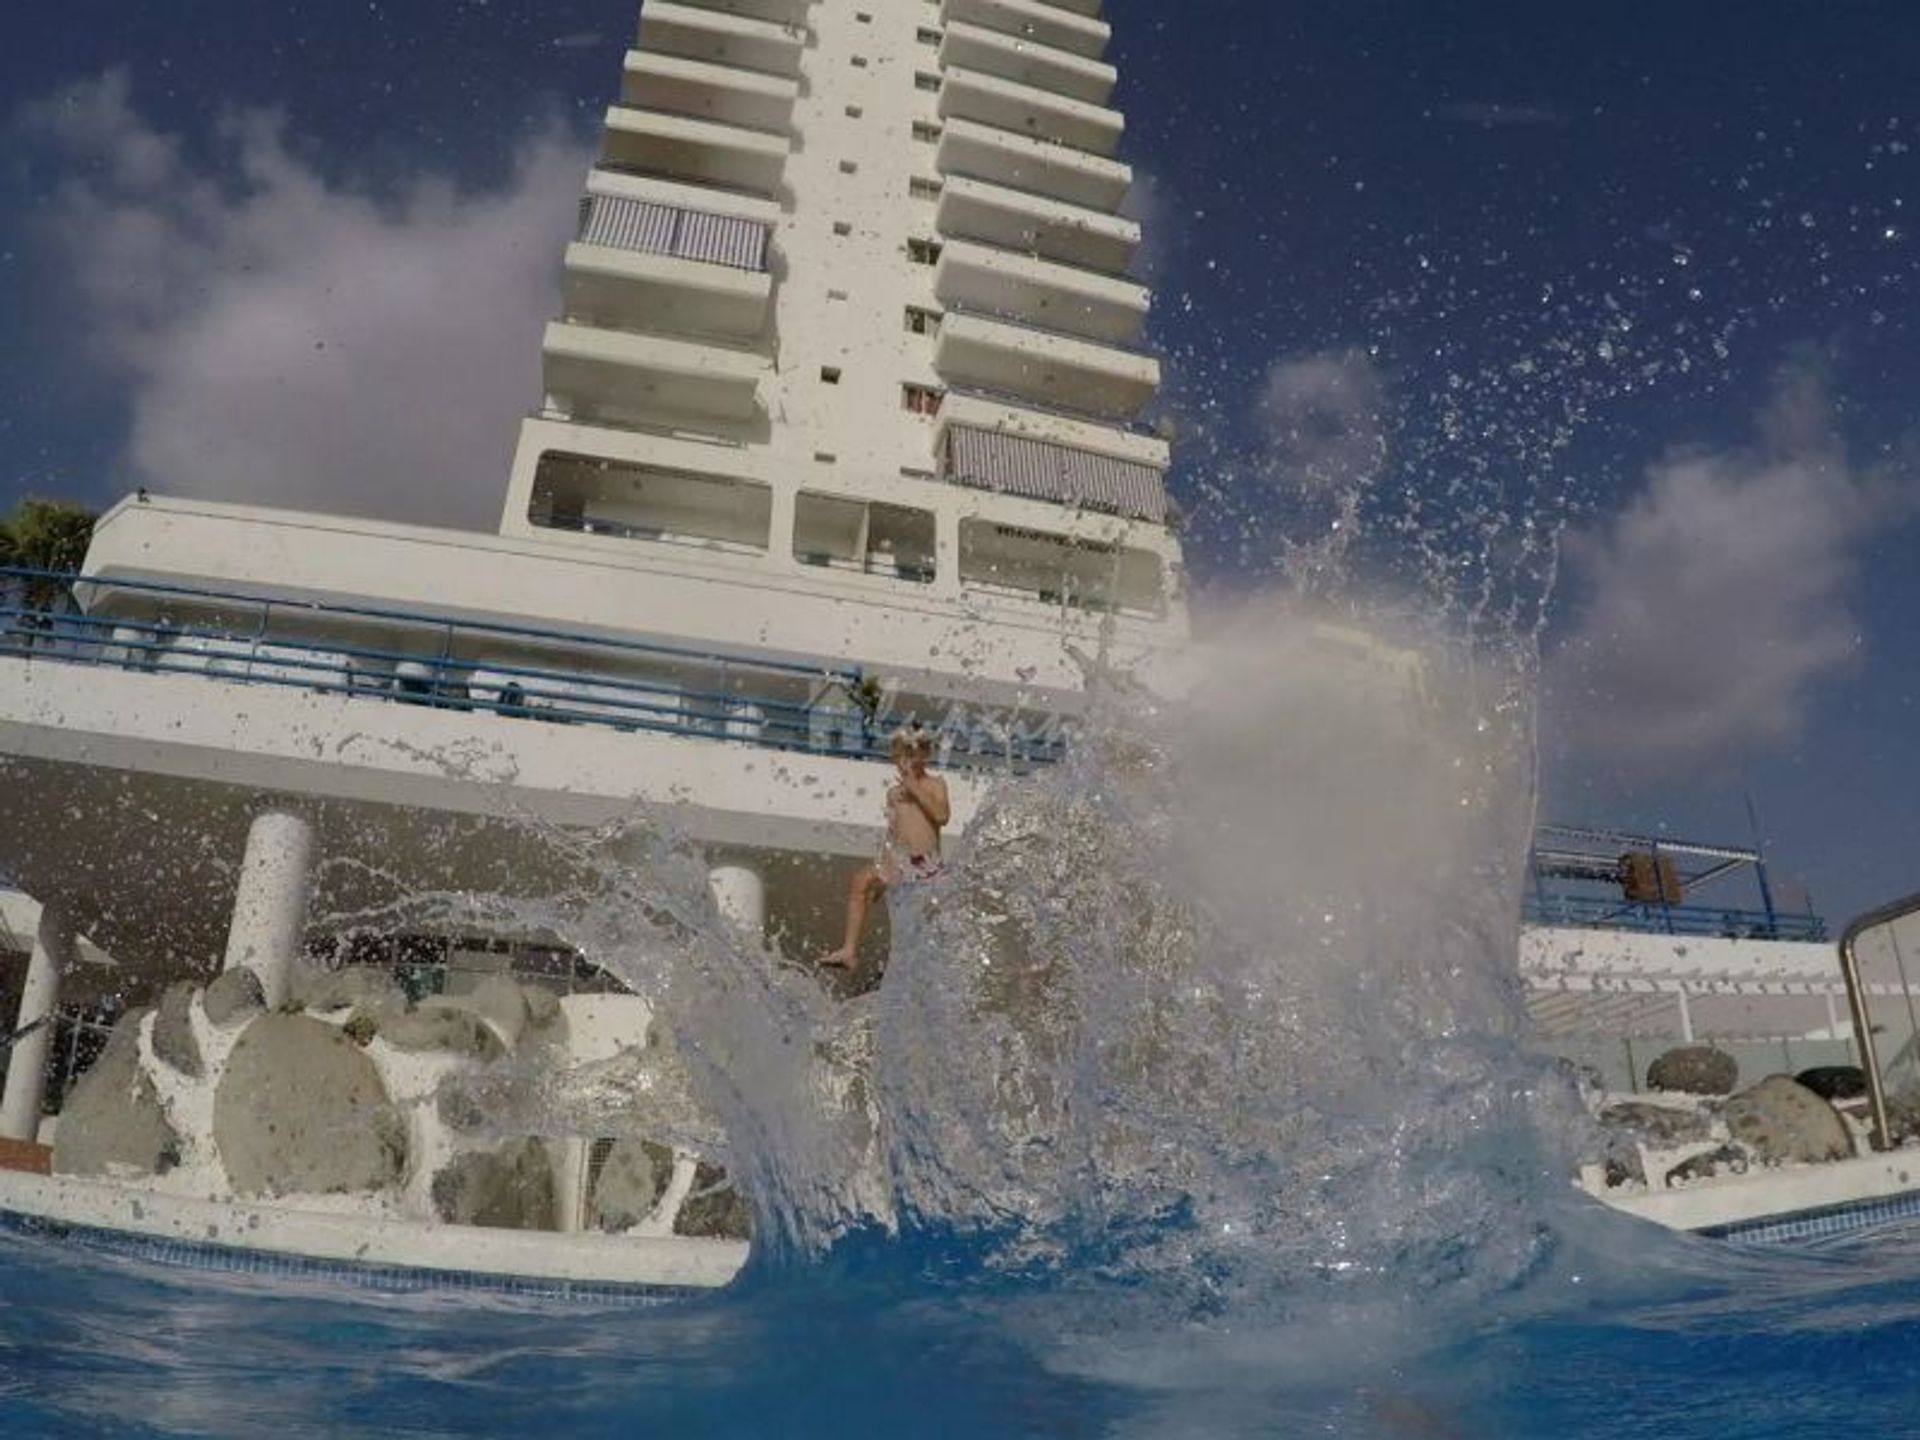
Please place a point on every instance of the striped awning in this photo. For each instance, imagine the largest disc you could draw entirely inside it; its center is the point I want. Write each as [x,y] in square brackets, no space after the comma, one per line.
[627,224]
[1042,470]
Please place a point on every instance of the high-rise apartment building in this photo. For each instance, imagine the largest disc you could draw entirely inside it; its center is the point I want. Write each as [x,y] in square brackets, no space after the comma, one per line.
[849,293]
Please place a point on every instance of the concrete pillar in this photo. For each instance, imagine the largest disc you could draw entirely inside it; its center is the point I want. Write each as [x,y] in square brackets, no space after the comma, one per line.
[741,891]
[570,1184]
[270,912]
[26,1087]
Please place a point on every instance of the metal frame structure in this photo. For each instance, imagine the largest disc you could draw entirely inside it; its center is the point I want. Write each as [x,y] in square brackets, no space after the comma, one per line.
[1565,856]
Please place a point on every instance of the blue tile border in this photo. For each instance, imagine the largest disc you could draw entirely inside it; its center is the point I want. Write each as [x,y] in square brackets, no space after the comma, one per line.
[387,1279]
[1820,1224]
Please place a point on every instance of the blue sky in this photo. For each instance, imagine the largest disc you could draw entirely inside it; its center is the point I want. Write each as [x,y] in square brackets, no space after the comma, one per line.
[1475,275]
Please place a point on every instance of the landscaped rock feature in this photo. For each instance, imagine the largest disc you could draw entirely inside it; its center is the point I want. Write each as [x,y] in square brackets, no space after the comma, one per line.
[502,1004]
[235,997]
[301,1111]
[112,1122]
[714,1210]
[1727,1160]
[1658,1126]
[1694,1070]
[506,1189]
[173,1042]
[1781,1121]
[1835,1082]
[632,1179]
[368,987]
[442,1025]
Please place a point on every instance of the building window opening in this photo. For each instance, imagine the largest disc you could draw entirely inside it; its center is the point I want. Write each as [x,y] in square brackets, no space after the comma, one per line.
[830,374]
[634,502]
[920,399]
[922,322]
[923,252]
[1060,569]
[863,537]
[925,132]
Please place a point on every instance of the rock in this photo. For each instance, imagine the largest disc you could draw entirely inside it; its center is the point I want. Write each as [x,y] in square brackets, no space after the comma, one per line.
[714,1210]
[369,987]
[1903,1117]
[632,1179]
[1835,1082]
[1783,1122]
[543,1006]
[506,1189]
[234,997]
[112,1122]
[301,1111]
[173,1041]
[1658,1126]
[361,1027]
[1727,1160]
[1694,1070]
[502,1004]
[443,1025]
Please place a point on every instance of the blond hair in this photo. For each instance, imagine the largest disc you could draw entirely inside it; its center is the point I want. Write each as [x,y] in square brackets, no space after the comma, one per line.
[910,740]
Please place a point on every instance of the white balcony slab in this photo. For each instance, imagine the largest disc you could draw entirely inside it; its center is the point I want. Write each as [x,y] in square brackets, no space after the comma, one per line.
[1062,297]
[1030,110]
[1001,157]
[990,52]
[708,90]
[633,289]
[699,32]
[1051,229]
[1054,369]
[603,370]
[1034,20]
[700,152]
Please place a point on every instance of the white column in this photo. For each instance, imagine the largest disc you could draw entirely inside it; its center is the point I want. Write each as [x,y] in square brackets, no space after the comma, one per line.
[26,1089]
[741,891]
[270,912]
[570,1184]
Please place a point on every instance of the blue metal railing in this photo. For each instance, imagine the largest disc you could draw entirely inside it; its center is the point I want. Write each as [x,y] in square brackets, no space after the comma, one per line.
[1602,913]
[451,664]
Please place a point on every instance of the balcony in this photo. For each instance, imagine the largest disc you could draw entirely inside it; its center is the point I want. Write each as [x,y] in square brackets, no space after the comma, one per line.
[594,496]
[1029,110]
[695,32]
[701,152]
[789,14]
[1012,464]
[1056,172]
[1061,297]
[991,411]
[971,47]
[1103,381]
[704,90]
[1036,225]
[643,266]
[591,371]
[1033,20]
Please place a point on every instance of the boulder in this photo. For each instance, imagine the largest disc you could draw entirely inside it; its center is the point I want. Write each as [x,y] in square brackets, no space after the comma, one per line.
[370,987]
[1835,1082]
[1727,1160]
[1695,1070]
[502,1004]
[543,1006]
[714,1210]
[442,1025]
[1781,1121]
[632,1179]
[112,1122]
[301,1111]
[1660,1127]
[234,998]
[506,1189]
[173,1041]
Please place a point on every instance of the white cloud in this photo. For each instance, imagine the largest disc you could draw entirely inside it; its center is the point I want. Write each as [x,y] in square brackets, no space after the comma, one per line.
[1719,601]
[1325,420]
[290,339]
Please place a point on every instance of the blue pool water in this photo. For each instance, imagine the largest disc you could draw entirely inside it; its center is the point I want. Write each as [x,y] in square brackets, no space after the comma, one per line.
[1683,1339]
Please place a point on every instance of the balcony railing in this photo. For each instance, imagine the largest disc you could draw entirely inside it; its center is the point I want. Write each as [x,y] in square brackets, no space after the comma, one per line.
[471,666]
[623,223]
[1600,913]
